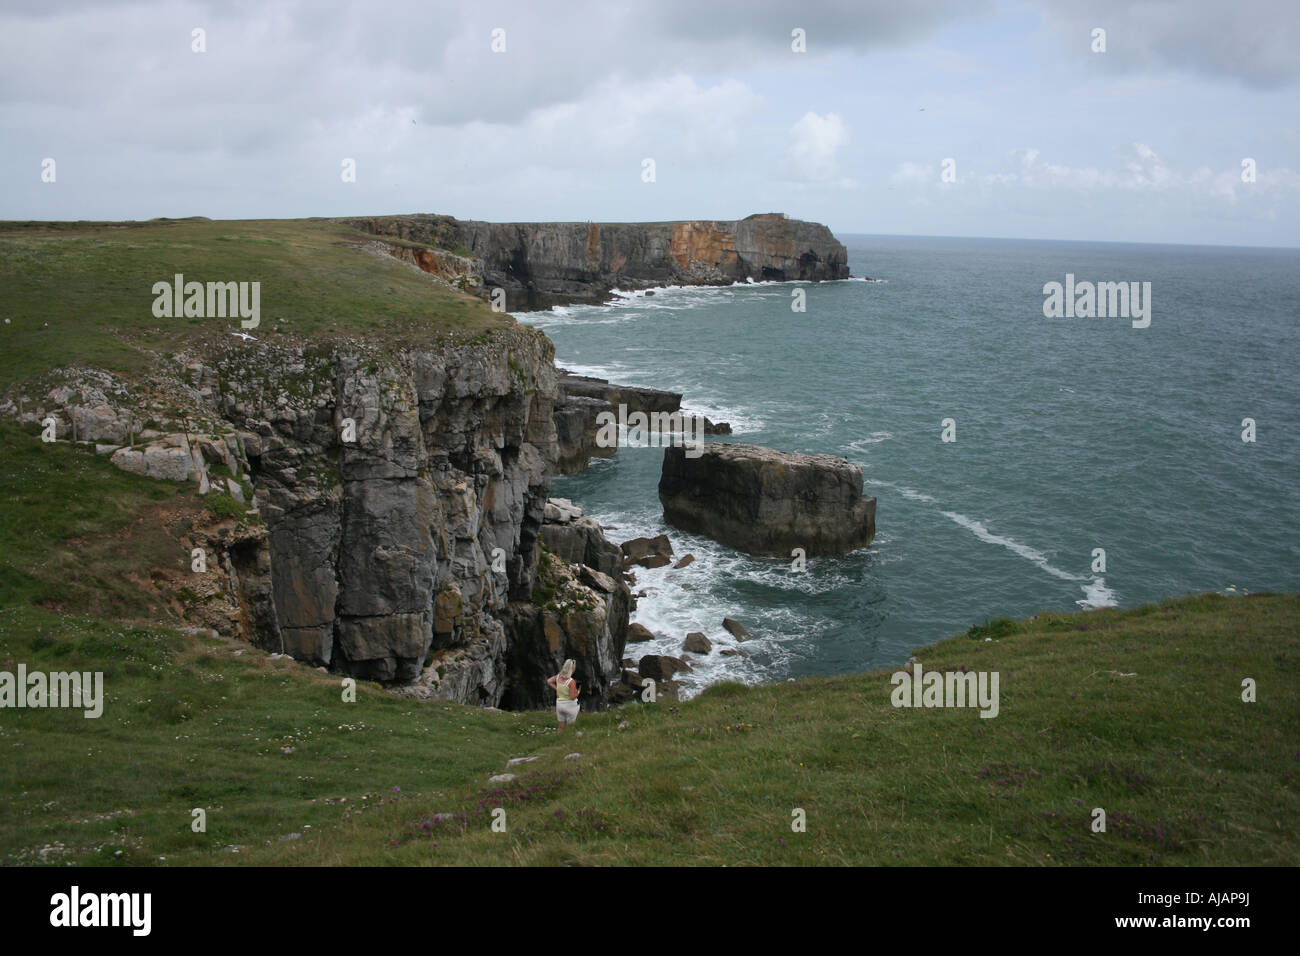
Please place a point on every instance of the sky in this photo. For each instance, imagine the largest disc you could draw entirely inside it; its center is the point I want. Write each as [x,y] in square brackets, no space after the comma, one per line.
[999,118]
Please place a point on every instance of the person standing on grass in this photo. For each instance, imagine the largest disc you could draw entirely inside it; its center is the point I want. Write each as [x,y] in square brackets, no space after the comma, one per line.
[566,695]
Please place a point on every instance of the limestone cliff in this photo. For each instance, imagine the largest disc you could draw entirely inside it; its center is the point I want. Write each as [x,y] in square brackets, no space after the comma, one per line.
[540,264]
[395,498]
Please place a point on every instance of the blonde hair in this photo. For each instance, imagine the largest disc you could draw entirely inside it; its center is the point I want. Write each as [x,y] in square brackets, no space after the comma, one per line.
[567,670]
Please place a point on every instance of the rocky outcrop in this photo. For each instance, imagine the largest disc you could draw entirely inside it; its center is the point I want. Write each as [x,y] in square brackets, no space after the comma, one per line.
[403,495]
[661,667]
[576,431]
[577,612]
[635,398]
[463,272]
[767,502]
[697,643]
[579,402]
[542,264]
[637,633]
[653,552]
[576,539]
[394,495]
[736,629]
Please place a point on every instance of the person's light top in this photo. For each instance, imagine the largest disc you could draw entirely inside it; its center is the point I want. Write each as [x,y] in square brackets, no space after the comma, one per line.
[563,689]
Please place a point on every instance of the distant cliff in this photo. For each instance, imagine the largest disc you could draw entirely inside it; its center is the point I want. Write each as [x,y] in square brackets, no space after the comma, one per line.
[540,264]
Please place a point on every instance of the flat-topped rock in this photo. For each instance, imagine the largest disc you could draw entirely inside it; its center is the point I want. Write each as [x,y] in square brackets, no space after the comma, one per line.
[637,399]
[767,502]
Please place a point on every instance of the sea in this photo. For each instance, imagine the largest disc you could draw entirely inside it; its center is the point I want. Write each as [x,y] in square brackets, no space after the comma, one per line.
[1021,462]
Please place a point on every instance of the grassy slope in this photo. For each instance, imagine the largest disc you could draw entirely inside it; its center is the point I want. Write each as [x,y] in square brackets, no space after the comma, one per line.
[1187,772]
[80,293]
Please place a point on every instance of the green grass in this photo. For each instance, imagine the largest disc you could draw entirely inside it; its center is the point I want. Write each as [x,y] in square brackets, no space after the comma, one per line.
[65,511]
[81,293]
[188,724]
[1187,772]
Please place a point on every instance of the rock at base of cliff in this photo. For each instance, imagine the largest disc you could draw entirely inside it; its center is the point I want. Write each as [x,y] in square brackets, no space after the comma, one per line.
[581,541]
[697,643]
[661,667]
[647,552]
[767,502]
[736,629]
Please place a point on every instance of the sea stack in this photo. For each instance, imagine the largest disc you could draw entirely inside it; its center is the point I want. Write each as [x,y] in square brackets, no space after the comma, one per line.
[767,502]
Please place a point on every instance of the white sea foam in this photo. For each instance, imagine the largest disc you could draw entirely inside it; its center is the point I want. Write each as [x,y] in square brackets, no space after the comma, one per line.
[782,635]
[1096,594]
[978,529]
[607,372]
[875,438]
[741,422]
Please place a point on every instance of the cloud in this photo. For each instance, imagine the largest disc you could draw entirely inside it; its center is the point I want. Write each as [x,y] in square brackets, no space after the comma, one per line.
[1139,168]
[812,152]
[1251,41]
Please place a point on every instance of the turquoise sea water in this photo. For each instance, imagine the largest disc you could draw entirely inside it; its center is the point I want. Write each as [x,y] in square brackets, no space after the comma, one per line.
[1072,434]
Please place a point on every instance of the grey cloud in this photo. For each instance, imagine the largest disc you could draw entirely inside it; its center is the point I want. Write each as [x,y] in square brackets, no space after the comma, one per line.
[1251,41]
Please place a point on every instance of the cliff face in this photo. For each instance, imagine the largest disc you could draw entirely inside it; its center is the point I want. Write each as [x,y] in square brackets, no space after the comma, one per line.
[395,500]
[544,264]
[381,547]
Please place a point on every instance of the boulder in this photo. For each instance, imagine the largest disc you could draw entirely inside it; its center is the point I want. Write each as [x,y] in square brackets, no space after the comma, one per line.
[580,541]
[737,630]
[688,559]
[622,693]
[560,511]
[767,502]
[661,667]
[648,552]
[668,690]
[697,643]
[159,462]
[594,579]
[103,423]
[637,633]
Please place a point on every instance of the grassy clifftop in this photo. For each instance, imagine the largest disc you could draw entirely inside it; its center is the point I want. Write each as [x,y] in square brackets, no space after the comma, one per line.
[1138,712]
[80,293]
